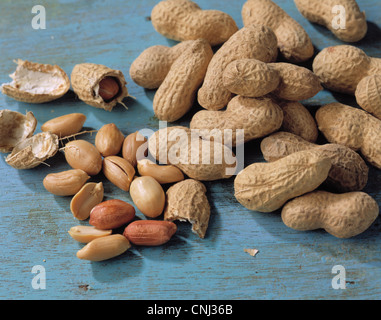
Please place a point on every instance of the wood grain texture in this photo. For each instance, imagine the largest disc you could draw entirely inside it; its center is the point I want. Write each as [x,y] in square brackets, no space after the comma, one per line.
[34,223]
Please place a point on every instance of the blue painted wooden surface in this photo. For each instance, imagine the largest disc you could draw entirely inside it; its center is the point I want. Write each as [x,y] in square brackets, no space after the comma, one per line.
[34,223]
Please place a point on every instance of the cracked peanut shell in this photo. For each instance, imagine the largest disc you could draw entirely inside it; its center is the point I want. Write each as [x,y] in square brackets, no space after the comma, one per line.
[33,151]
[14,128]
[36,82]
[186,201]
[85,80]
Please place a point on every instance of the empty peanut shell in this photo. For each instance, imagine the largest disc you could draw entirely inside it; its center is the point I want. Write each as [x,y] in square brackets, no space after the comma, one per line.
[186,201]
[36,82]
[31,152]
[15,127]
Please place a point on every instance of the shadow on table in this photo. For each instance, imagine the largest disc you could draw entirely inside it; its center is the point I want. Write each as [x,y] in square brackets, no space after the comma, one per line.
[127,265]
[319,241]
[372,38]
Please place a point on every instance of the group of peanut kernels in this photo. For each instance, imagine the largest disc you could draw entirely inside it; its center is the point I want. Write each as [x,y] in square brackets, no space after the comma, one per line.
[260,97]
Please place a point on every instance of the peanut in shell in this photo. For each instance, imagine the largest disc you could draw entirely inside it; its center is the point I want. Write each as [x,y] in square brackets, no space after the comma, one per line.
[266,187]
[251,42]
[343,215]
[85,80]
[368,94]
[349,172]
[151,67]
[293,41]
[184,20]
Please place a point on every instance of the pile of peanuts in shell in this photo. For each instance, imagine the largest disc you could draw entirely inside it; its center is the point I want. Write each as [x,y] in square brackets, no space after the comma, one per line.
[241,86]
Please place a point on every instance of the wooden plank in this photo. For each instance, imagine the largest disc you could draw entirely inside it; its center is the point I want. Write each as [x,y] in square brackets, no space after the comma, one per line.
[34,223]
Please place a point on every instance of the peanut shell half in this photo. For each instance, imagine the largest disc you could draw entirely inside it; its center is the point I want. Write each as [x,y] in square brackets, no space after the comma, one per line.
[31,152]
[36,82]
[15,127]
[186,201]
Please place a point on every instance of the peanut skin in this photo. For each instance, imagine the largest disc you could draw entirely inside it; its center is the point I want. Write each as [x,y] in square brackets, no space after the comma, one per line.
[342,215]
[150,232]
[111,214]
